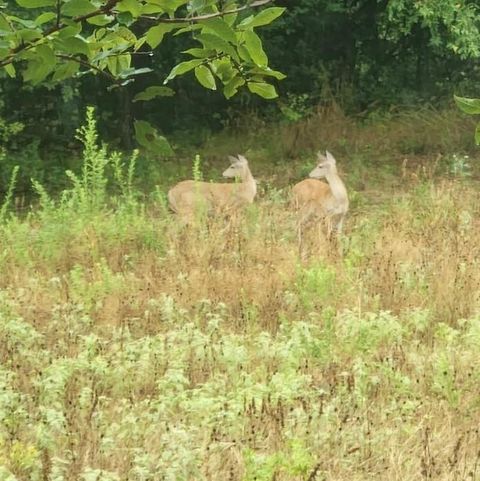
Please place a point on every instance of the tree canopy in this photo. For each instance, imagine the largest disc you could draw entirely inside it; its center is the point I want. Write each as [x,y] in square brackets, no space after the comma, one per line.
[54,40]
[363,53]
[63,38]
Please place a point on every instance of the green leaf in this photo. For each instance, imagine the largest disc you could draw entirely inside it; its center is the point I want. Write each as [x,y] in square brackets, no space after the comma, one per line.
[231,88]
[266,91]
[130,72]
[205,77]
[168,6]
[102,55]
[132,6]
[126,34]
[182,68]
[125,18]
[46,54]
[10,69]
[41,63]
[65,70]
[152,92]
[230,18]
[244,54]
[124,62]
[22,21]
[267,71]
[469,106]
[112,64]
[44,18]
[139,43]
[219,27]
[70,31]
[263,18]
[73,45]
[4,53]
[4,25]
[155,34]
[254,46]
[35,3]
[199,52]
[101,20]
[28,35]
[73,8]
[223,69]
[151,9]
[189,29]
[211,41]
[148,137]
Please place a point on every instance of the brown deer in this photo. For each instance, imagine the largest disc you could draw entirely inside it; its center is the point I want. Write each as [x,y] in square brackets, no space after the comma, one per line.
[326,201]
[185,196]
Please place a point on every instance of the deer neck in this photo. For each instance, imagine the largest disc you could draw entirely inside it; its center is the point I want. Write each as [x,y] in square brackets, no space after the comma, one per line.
[249,185]
[337,187]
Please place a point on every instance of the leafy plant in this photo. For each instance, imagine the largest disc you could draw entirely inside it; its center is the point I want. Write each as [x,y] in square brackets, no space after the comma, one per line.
[197,169]
[51,41]
[8,130]
[472,107]
[64,39]
[459,165]
[9,194]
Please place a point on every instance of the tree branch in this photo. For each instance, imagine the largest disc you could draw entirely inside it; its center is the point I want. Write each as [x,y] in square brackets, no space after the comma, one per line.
[257,3]
[59,11]
[103,10]
[108,9]
[88,65]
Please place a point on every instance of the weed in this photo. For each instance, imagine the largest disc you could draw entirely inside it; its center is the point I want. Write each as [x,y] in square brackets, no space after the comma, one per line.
[9,194]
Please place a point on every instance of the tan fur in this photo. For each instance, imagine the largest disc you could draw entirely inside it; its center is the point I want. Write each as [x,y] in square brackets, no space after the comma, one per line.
[186,196]
[310,191]
[314,198]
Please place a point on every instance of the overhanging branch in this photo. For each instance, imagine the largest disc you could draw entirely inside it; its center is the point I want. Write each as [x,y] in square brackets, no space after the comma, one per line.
[108,9]
[103,10]
[87,64]
[199,18]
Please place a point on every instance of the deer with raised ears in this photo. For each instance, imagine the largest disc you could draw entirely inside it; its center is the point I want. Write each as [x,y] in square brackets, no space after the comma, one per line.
[316,199]
[185,196]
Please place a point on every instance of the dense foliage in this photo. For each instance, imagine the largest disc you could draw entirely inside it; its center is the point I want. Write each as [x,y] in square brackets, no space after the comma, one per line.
[366,55]
[54,40]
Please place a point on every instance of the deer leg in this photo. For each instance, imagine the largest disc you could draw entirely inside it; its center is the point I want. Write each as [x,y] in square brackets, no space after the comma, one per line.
[329,226]
[340,225]
[304,220]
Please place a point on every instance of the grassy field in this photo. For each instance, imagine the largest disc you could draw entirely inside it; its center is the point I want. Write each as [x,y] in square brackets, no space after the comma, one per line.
[135,348]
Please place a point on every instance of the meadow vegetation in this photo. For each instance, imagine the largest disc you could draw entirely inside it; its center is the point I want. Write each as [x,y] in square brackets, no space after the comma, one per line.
[135,348]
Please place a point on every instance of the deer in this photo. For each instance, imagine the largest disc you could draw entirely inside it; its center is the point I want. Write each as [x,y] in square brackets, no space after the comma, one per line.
[316,199]
[184,197]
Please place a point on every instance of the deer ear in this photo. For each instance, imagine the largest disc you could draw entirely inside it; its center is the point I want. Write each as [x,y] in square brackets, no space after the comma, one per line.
[320,157]
[241,158]
[232,159]
[330,157]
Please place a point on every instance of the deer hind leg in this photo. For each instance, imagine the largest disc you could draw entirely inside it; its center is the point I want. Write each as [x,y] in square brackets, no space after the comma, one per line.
[300,231]
[336,233]
[305,216]
[339,224]
[329,226]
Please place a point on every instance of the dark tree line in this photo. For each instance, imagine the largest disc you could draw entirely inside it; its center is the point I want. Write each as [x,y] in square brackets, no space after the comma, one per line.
[364,53]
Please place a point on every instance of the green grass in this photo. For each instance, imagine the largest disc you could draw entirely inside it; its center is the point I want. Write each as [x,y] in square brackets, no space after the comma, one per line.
[135,348]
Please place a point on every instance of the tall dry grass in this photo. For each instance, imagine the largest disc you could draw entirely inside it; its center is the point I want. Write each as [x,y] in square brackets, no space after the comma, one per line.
[419,249]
